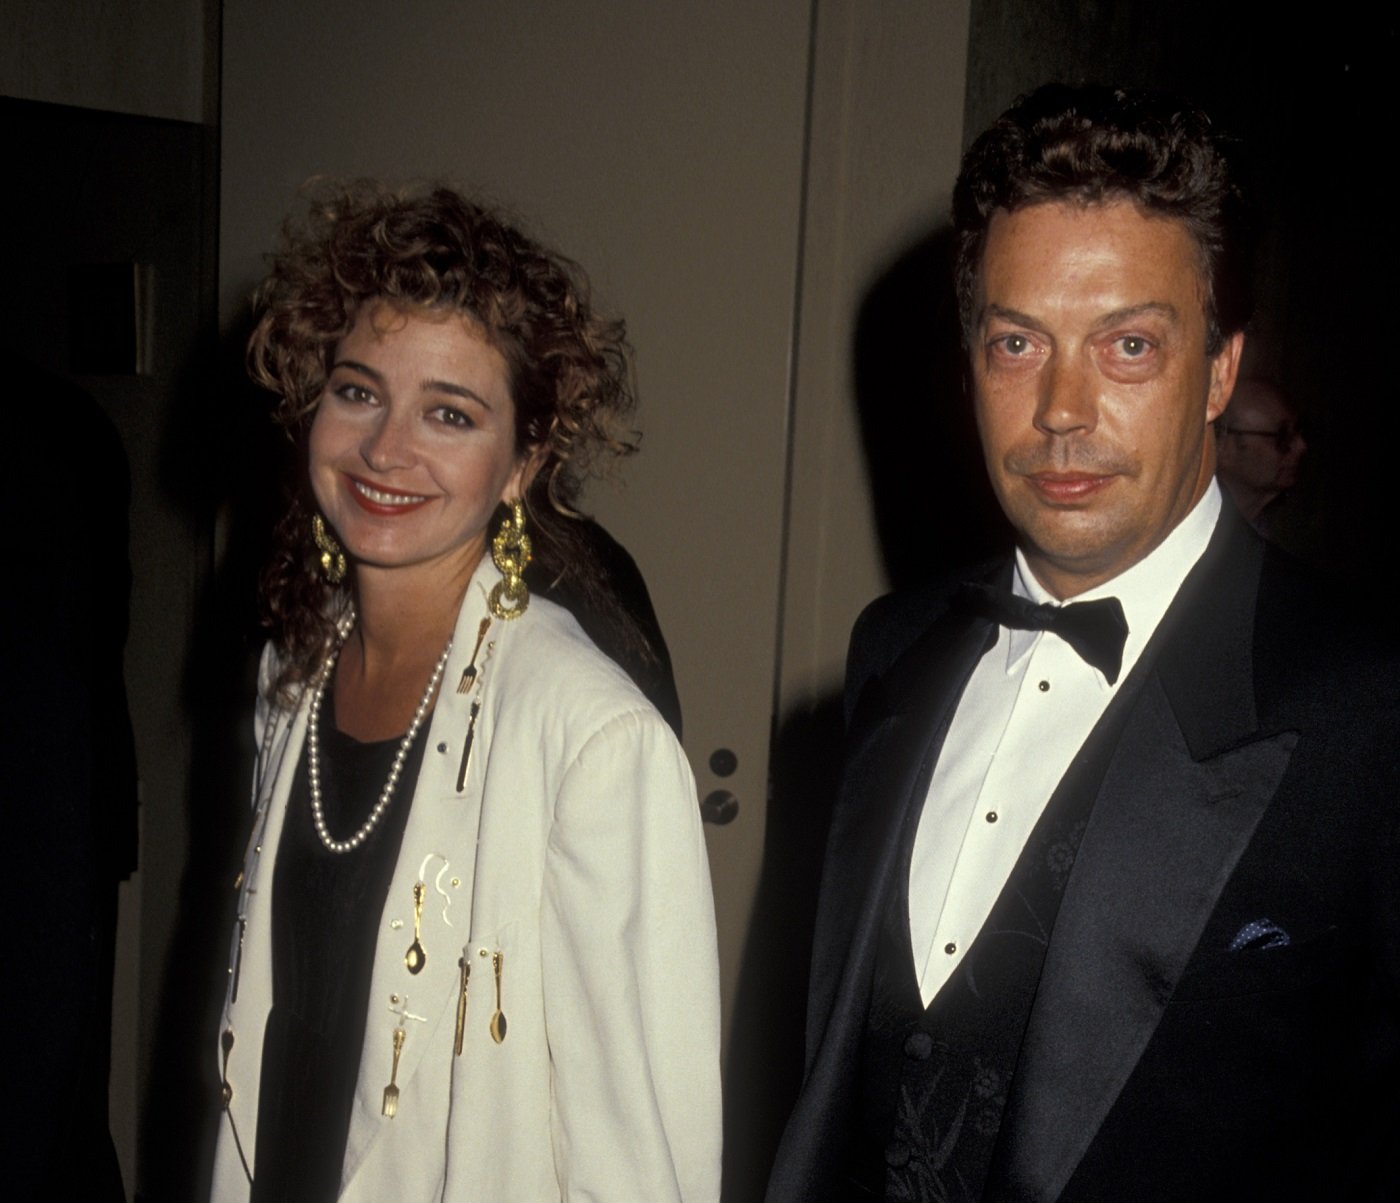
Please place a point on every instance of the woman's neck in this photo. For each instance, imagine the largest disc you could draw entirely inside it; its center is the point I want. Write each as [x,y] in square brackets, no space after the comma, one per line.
[403,621]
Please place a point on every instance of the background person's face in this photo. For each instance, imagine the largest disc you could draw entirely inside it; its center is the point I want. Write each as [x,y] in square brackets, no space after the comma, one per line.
[1253,454]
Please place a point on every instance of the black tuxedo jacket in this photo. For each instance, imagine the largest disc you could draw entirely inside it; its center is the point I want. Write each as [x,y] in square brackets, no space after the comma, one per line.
[1219,1012]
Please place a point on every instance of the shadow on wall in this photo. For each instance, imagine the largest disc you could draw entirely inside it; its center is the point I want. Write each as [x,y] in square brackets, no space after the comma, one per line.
[934,510]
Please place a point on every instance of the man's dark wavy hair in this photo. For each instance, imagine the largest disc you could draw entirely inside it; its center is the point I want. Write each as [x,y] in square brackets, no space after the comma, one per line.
[1092,143]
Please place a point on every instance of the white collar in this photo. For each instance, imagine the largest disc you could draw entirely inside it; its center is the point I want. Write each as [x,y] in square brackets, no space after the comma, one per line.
[1145,590]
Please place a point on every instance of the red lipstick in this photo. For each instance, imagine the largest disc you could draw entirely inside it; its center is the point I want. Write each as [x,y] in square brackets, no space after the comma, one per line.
[380,501]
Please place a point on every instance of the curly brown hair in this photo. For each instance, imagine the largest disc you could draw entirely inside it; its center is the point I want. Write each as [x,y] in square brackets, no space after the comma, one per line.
[431,247]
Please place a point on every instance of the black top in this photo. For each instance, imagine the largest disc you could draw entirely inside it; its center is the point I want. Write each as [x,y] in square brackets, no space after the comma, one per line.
[325,917]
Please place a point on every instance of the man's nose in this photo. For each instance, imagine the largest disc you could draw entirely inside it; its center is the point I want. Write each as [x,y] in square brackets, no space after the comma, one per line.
[1068,401]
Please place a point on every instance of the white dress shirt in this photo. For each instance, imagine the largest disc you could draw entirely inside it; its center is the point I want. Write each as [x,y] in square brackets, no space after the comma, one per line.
[1028,707]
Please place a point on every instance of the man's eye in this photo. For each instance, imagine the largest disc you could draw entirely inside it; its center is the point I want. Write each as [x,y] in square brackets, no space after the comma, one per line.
[1134,346]
[1014,344]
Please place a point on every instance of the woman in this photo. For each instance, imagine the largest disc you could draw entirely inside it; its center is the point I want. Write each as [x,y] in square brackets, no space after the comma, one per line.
[474,956]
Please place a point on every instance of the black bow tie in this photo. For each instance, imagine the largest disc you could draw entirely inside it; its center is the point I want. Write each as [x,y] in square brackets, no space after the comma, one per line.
[1095,629]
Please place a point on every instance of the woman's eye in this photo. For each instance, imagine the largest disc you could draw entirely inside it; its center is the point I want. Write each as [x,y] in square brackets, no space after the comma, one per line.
[449,416]
[355,393]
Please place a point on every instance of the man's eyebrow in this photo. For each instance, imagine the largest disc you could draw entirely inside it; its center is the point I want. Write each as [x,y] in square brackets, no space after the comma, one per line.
[1147,309]
[1162,309]
[1014,316]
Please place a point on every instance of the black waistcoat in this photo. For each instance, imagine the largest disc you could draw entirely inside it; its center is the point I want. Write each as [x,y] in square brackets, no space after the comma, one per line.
[934,1081]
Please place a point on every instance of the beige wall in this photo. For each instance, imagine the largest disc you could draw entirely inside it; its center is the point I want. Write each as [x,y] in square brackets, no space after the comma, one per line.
[156,58]
[886,138]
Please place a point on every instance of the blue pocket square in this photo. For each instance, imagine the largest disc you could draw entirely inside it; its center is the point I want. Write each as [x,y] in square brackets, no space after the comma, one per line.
[1259,933]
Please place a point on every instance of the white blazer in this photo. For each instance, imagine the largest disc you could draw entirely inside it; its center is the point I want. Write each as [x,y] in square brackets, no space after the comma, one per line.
[574,851]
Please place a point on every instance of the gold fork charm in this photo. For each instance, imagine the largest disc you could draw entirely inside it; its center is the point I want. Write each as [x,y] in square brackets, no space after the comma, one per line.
[469,673]
[391,1091]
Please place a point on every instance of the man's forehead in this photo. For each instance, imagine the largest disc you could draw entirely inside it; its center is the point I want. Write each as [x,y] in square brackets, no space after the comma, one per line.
[1087,225]
[1091,208]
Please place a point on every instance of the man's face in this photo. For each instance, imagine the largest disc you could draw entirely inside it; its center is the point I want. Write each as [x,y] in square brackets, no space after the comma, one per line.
[1092,385]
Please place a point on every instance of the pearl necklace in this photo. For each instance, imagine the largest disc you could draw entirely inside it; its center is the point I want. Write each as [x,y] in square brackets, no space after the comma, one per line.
[313,744]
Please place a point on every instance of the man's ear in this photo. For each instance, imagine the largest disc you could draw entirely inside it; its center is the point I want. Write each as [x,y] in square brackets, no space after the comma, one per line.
[1224,371]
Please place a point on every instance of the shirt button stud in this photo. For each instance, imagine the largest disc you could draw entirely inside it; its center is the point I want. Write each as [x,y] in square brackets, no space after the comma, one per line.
[1044,687]
[950,948]
[896,1155]
[991,816]
[918,1046]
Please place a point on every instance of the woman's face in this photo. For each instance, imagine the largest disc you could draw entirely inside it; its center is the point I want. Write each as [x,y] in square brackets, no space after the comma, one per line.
[413,442]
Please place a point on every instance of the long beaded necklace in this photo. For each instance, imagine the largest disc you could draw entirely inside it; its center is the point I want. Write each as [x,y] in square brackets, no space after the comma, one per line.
[313,746]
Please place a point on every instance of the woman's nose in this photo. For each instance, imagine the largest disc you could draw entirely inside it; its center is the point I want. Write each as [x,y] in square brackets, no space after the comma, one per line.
[388,445]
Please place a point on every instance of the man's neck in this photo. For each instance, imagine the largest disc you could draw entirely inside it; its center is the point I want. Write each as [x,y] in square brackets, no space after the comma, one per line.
[1146,589]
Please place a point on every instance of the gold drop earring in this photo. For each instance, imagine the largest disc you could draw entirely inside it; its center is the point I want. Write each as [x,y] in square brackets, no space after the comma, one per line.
[510,552]
[333,563]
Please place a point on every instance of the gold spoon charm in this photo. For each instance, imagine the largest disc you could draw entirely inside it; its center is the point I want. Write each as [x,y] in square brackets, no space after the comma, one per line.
[391,1091]
[416,957]
[498,1019]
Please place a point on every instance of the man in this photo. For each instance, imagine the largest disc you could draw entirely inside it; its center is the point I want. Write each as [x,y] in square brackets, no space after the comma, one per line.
[1260,448]
[1111,910]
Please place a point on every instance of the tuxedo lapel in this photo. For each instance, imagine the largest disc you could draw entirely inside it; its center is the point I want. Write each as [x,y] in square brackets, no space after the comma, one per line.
[1184,789]
[896,731]
[897,724]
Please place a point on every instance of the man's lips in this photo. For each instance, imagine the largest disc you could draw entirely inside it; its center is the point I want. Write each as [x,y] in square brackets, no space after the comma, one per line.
[376,499]
[1066,488]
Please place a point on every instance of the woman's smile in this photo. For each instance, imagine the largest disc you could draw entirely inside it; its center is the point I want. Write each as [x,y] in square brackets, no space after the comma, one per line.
[377,500]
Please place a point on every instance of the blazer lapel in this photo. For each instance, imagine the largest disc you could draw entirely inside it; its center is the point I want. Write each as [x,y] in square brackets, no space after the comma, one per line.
[439,851]
[1184,789]
[243,1026]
